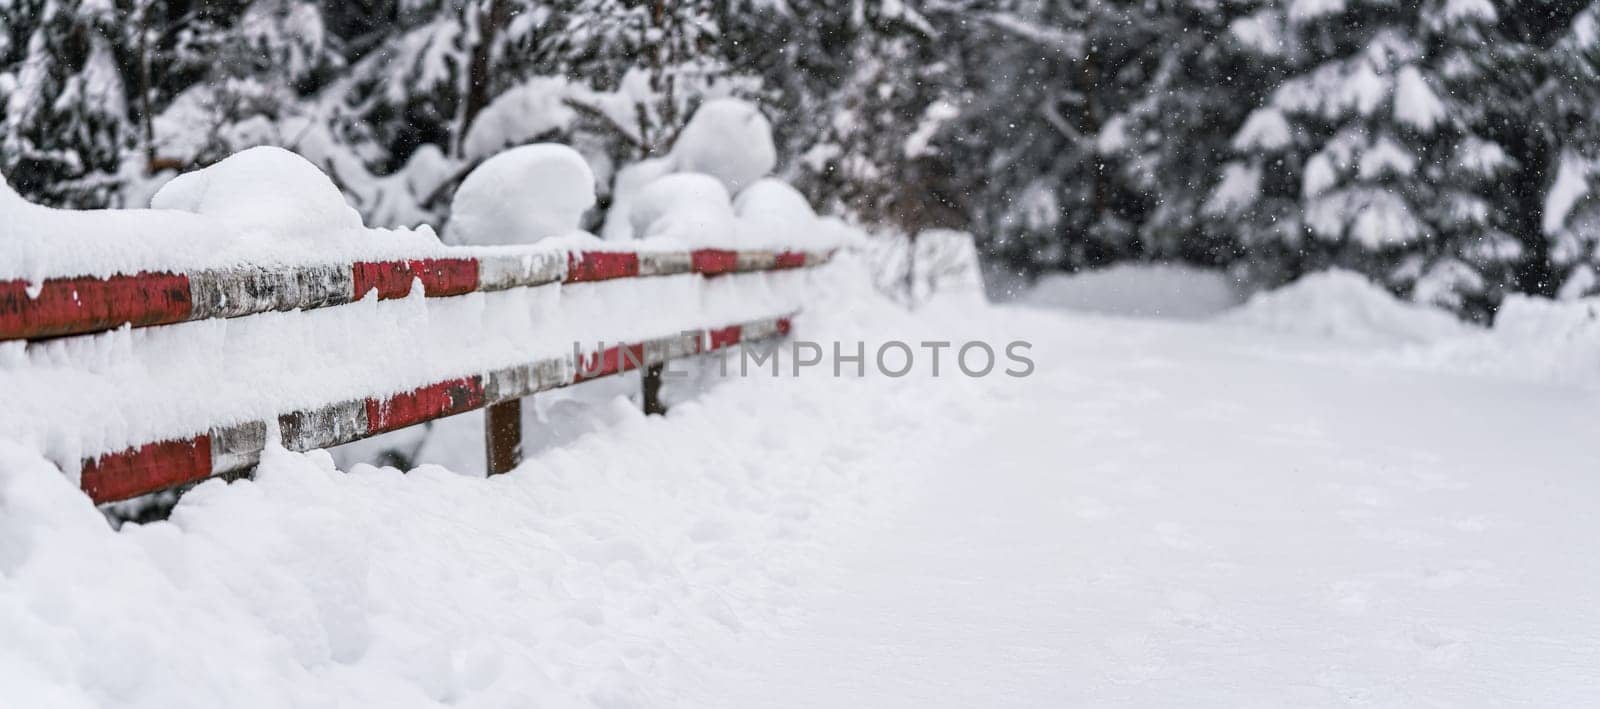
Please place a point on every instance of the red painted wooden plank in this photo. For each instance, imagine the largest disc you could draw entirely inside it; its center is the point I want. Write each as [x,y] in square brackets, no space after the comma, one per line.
[445,398]
[593,364]
[601,266]
[148,468]
[611,360]
[157,466]
[67,306]
[724,337]
[632,356]
[392,279]
[791,259]
[446,276]
[711,262]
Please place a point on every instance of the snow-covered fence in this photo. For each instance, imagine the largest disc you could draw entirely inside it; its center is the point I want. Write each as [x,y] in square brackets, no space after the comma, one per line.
[272,313]
[73,306]
[79,305]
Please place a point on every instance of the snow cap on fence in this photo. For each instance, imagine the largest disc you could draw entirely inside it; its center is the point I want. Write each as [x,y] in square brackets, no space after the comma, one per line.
[263,190]
[727,140]
[520,196]
[772,212]
[687,207]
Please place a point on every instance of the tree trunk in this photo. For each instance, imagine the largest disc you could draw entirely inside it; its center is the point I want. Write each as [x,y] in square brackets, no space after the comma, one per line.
[479,67]
[1534,273]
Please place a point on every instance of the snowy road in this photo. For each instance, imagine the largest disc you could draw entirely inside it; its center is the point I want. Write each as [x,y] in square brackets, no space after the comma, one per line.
[1217,522]
[1169,513]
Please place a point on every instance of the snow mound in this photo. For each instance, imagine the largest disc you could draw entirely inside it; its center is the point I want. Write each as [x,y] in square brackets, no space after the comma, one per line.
[631,180]
[262,189]
[1148,290]
[687,207]
[1343,306]
[520,196]
[1532,339]
[946,266]
[1538,339]
[263,226]
[727,139]
[39,242]
[772,212]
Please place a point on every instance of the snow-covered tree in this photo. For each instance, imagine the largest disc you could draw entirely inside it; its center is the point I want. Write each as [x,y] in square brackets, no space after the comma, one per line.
[64,125]
[1445,147]
[866,96]
[1540,107]
[659,58]
[1373,156]
[1188,93]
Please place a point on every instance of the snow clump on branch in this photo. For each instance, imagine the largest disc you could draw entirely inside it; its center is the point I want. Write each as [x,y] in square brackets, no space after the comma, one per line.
[520,196]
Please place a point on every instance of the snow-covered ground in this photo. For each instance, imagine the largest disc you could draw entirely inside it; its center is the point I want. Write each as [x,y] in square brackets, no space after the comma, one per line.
[1174,514]
[1162,291]
[1222,512]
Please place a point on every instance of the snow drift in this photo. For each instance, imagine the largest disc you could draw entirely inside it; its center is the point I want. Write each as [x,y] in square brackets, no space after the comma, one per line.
[265,189]
[1160,290]
[1531,339]
[263,207]
[1346,307]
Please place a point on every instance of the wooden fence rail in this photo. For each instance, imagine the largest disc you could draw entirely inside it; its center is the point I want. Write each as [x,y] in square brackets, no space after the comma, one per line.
[77,306]
[83,305]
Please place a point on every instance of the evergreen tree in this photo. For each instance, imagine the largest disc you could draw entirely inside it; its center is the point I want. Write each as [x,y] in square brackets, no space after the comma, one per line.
[1443,147]
[407,90]
[1189,93]
[1095,127]
[880,153]
[663,56]
[64,125]
[1371,157]
[1540,108]
[1573,91]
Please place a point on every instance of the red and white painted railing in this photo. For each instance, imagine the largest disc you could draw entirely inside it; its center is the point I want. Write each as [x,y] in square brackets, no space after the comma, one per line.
[232,449]
[76,306]
[82,305]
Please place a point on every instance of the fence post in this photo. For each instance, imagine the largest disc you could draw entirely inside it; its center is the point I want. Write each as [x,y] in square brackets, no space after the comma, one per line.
[652,390]
[502,435]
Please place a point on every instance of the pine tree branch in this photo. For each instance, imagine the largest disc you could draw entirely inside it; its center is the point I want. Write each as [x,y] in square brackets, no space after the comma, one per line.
[609,122]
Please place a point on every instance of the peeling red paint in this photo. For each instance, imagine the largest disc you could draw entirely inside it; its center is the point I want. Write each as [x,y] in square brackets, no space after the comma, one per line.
[724,337]
[790,259]
[442,277]
[601,266]
[711,262]
[393,279]
[445,398]
[611,360]
[146,469]
[68,306]
[632,356]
